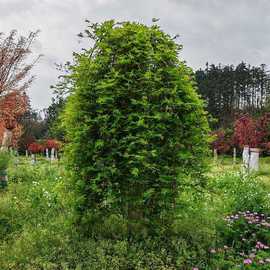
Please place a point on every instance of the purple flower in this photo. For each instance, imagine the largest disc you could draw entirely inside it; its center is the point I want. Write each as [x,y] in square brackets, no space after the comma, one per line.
[247,261]
[260,245]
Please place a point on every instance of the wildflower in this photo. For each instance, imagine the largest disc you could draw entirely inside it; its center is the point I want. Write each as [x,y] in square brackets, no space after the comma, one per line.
[247,261]
[260,245]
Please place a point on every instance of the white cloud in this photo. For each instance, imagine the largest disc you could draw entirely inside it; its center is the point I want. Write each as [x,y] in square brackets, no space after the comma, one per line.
[210,30]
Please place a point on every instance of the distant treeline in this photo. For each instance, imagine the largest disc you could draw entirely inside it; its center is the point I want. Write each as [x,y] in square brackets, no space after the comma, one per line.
[233,90]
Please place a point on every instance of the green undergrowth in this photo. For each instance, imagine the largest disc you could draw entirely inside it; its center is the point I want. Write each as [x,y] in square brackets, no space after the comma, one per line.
[37,229]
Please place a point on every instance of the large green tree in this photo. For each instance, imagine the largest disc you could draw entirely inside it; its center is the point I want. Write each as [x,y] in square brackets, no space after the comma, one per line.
[136,129]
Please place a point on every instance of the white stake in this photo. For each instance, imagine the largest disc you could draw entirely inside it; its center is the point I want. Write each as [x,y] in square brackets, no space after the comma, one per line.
[33,159]
[245,156]
[215,155]
[234,155]
[47,153]
[254,159]
[52,154]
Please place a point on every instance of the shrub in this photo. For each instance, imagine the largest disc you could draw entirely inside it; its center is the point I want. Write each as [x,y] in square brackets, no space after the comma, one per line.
[135,125]
[35,148]
[4,160]
[52,143]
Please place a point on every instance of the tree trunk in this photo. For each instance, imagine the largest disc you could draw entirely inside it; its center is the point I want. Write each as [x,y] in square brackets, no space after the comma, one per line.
[7,140]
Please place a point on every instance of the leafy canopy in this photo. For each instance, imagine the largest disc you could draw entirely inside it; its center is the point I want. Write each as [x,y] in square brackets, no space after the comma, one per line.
[136,129]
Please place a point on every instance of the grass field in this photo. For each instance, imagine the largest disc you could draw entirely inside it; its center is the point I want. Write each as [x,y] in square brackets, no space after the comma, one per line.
[37,230]
[225,164]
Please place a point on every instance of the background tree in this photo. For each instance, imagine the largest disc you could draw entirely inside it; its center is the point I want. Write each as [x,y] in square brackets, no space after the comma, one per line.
[231,91]
[52,114]
[15,79]
[33,128]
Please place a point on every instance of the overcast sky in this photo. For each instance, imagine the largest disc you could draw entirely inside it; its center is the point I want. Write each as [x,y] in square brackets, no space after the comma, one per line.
[226,31]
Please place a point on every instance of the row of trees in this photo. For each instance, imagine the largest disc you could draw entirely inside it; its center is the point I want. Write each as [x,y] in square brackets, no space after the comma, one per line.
[230,91]
[41,146]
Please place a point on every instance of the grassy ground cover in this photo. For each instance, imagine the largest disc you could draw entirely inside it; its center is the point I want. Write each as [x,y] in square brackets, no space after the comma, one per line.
[36,229]
[226,164]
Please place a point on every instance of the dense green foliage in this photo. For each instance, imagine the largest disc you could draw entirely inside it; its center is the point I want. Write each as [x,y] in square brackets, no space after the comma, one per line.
[52,117]
[136,129]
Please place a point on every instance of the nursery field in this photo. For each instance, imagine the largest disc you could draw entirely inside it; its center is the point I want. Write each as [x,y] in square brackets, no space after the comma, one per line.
[117,173]
[225,164]
[222,227]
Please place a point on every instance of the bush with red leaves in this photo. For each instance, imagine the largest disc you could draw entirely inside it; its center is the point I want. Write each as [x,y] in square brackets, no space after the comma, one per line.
[52,143]
[245,132]
[35,148]
[252,132]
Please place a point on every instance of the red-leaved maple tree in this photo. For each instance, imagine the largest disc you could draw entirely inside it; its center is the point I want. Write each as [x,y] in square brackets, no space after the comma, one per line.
[245,131]
[35,148]
[252,132]
[52,143]
[14,81]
